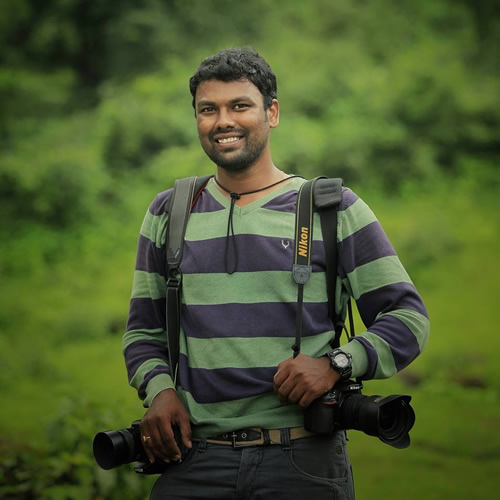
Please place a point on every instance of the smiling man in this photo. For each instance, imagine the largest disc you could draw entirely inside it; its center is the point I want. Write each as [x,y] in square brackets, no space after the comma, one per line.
[233,124]
[240,395]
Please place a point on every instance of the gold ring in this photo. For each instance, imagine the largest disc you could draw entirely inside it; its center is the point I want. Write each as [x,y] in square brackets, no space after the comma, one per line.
[145,438]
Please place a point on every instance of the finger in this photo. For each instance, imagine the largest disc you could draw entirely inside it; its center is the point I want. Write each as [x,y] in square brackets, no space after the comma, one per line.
[276,387]
[296,394]
[185,430]
[145,440]
[285,390]
[306,399]
[157,429]
[168,445]
[155,446]
[281,375]
[278,379]
[150,449]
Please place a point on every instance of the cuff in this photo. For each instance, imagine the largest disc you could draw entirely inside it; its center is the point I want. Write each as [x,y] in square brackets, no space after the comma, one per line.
[359,357]
[156,385]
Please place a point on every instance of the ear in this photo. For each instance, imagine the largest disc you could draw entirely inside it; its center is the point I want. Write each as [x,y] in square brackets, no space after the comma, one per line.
[273,114]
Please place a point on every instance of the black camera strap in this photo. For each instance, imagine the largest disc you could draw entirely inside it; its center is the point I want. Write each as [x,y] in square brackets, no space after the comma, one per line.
[324,195]
[302,269]
[185,194]
[327,199]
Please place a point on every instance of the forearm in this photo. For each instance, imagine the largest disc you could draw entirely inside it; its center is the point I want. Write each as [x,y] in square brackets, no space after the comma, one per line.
[389,345]
[146,360]
[395,336]
[145,344]
[397,324]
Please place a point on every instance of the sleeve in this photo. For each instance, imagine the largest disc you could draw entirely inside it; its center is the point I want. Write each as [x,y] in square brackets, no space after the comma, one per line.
[396,320]
[145,345]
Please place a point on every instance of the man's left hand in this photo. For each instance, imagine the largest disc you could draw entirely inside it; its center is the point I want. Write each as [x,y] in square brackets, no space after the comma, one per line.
[303,379]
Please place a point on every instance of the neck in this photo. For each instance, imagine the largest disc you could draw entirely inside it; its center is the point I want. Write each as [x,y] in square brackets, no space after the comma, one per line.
[249,179]
[252,195]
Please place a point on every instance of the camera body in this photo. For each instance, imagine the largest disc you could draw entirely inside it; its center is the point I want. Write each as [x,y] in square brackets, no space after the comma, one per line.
[389,418]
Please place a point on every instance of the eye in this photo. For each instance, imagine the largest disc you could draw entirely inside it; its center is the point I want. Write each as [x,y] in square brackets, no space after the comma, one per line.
[241,106]
[206,110]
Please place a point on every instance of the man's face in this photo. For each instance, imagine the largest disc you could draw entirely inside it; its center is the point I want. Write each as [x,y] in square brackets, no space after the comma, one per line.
[233,125]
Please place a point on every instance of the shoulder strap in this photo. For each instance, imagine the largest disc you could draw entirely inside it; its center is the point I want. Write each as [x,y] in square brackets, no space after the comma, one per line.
[327,198]
[302,269]
[325,195]
[185,194]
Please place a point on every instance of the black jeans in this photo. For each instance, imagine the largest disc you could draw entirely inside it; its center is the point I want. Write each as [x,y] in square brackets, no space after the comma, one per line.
[311,468]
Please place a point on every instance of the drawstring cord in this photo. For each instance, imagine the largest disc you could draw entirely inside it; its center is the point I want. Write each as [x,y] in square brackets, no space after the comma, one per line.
[230,225]
[230,235]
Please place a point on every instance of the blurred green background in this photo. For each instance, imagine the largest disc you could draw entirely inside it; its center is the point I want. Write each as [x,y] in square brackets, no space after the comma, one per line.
[400,98]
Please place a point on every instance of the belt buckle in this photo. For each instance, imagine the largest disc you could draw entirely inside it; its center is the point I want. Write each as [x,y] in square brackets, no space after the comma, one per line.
[234,435]
[242,435]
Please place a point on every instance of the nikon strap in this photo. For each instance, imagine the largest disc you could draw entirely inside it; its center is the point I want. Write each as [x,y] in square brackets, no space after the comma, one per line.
[325,194]
[185,194]
[302,268]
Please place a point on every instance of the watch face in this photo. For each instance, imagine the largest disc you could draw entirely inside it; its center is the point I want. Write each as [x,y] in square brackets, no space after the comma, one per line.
[341,360]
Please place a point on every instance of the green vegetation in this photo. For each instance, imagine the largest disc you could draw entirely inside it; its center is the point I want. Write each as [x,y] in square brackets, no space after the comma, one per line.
[399,98]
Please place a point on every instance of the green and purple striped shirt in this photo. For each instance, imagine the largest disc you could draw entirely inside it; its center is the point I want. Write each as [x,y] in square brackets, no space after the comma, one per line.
[236,328]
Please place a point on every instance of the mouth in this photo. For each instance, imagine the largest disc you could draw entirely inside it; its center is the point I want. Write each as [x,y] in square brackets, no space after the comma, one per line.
[228,140]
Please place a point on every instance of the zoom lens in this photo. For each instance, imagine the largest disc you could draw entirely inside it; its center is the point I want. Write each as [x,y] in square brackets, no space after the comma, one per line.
[389,418]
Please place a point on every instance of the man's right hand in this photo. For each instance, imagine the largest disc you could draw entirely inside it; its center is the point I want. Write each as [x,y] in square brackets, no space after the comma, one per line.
[157,432]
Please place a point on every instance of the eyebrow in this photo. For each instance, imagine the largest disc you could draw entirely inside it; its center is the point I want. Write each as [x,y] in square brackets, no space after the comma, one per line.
[206,102]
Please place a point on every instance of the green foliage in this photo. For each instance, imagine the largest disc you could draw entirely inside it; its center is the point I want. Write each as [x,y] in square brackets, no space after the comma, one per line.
[66,469]
[393,100]
[143,120]
[379,99]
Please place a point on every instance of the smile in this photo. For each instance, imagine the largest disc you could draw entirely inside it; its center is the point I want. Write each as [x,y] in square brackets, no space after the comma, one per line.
[227,140]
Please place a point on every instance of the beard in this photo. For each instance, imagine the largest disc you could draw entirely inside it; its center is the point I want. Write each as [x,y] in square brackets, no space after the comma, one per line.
[237,158]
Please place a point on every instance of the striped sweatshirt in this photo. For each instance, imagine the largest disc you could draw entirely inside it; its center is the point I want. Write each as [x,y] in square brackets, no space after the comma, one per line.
[236,328]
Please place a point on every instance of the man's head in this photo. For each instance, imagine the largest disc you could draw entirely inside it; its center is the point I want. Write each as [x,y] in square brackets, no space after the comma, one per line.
[234,97]
[237,64]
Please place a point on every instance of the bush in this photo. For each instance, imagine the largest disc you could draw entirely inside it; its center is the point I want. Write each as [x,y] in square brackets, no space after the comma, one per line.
[66,468]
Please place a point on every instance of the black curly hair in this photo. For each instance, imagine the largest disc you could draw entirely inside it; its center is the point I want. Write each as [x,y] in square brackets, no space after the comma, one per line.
[237,64]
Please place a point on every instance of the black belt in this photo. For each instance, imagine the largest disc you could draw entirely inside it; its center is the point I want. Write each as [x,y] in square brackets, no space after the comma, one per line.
[257,436]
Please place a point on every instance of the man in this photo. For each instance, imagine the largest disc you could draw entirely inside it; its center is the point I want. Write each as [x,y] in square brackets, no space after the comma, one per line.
[239,396]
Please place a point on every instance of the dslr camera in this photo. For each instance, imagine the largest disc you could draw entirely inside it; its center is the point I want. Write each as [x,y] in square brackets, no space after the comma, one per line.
[389,418]
[123,446]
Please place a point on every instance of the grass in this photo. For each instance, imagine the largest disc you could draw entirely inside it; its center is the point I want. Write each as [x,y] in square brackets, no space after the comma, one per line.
[455,448]
[63,362]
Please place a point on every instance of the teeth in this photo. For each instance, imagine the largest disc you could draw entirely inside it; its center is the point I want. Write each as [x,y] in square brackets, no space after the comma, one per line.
[227,140]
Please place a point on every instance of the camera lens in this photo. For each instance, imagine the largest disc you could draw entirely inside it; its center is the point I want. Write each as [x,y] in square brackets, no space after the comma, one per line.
[397,417]
[114,448]
[389,418]
[386,418]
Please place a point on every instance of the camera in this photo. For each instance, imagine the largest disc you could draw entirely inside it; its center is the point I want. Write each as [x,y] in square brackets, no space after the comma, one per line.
[114,448]
[389,418]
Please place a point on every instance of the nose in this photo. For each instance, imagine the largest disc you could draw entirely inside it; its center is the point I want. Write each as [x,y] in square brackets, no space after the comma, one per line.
[225,119]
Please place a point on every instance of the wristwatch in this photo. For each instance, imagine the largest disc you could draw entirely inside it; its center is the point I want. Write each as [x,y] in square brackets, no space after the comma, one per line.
[341,362]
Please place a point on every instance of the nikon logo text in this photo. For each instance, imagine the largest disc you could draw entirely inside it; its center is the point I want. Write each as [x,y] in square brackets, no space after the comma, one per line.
[303,250]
